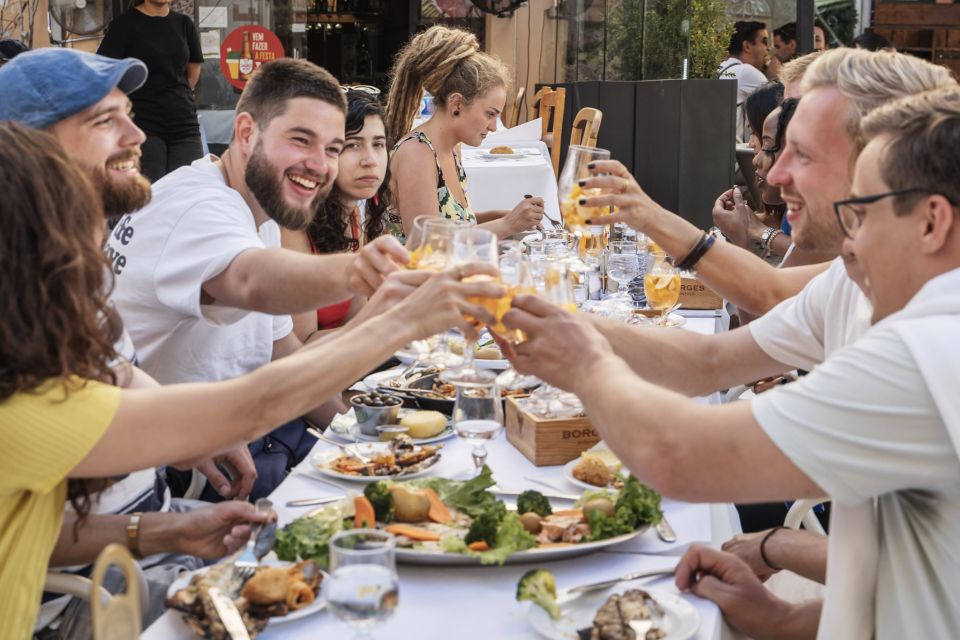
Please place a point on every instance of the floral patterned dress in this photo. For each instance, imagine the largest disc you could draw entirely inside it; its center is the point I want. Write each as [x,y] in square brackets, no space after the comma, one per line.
[448,205]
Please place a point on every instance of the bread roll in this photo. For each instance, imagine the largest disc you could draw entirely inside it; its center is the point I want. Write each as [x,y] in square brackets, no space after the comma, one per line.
[424,424]
[501,149]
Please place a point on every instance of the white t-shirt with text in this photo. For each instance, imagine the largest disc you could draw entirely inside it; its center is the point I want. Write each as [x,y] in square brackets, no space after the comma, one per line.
[193,228]
[748,78]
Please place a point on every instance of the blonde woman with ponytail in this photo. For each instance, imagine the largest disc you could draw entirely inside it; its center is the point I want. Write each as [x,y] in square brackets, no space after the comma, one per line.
[469,91]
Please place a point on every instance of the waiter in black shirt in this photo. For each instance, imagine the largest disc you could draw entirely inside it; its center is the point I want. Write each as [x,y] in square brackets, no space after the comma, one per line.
[168,43]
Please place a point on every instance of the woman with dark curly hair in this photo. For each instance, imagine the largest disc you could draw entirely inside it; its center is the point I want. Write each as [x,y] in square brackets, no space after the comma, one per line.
[355,212]
[64,423]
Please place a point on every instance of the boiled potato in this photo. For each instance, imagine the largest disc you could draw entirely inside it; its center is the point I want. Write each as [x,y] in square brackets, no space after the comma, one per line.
[409,506]
[424,424]
[489,353]
[531,522]
[602,505]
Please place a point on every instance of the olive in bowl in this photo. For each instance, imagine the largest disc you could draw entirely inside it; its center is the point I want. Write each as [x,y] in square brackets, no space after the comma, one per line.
[374,409]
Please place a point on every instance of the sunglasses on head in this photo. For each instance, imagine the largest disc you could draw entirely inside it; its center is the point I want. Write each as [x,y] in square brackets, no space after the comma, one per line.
[361,88]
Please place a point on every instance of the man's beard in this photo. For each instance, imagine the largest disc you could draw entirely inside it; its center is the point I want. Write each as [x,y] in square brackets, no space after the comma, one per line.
[261,178]
[120,196]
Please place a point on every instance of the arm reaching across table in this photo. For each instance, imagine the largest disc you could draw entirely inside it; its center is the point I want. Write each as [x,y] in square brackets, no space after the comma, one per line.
[734,273]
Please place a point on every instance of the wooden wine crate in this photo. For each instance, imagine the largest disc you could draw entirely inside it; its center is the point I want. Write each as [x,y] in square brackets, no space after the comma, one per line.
[696,295]
[548,442]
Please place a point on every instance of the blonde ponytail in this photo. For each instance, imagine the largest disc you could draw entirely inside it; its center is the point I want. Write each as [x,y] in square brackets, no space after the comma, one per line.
[443,61]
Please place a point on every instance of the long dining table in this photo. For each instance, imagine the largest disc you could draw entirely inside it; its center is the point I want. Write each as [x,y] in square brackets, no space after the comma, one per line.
[478,602]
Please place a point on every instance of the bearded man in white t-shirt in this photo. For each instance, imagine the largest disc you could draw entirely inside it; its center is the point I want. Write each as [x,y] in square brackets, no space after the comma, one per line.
[876,426]
[201,280]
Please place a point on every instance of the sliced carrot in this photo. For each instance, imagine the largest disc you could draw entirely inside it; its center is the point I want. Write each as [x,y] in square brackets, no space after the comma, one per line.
[554,545]
[364,516]
[438,511]
[479,545]
[412,532]
[578,513]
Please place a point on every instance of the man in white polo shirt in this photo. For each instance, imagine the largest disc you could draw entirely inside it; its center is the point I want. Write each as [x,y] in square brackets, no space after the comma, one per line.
[876,427]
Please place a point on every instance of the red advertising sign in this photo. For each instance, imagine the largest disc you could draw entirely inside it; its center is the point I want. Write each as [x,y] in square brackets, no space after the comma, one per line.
[244,50]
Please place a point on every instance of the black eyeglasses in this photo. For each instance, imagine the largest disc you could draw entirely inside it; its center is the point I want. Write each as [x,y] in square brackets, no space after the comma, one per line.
[850,212]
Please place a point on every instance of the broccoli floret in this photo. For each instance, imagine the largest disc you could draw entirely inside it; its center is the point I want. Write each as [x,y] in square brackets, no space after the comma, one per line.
[539,587]
[378,493]
[484,527]
[533,501]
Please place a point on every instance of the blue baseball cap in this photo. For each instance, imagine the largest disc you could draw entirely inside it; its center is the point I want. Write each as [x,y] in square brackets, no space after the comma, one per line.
[44,86]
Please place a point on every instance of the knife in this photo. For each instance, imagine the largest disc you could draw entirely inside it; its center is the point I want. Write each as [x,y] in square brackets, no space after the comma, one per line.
[229,615]
[309,502]
[597,586]
[555,496]
[665,531]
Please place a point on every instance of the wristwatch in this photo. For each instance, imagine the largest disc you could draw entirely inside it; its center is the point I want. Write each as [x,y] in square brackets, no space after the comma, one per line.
[766,240]
[133,535]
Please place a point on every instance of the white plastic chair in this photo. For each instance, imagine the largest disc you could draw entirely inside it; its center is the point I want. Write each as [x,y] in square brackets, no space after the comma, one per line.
[801,512]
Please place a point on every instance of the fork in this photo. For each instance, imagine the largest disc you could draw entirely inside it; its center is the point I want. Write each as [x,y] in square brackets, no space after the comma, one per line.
[246,565]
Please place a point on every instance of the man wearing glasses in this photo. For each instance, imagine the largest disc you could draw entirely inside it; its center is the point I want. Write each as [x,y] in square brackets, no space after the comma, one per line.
[876,427]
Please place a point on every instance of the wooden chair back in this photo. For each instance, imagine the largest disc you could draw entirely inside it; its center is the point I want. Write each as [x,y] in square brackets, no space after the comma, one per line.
[586,127]
[119,618]
[514,115]
[548,105]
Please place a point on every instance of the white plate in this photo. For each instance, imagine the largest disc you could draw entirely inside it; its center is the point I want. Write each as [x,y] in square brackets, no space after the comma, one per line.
[321,460]
[373,380]
[406,357]
[503,156]
[344,429]
[319,602]
[429,557]
[568,475]
[680,621]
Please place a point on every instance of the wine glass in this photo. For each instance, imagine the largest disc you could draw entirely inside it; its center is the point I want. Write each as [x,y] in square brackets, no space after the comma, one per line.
[473,245]
[363,586]
[478,417]
[623,265]
[516,274]
[661,284]
[431,245]
[555,285]
[575,169]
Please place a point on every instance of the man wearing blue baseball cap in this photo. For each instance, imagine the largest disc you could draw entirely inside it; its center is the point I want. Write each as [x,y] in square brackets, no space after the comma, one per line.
[81,98]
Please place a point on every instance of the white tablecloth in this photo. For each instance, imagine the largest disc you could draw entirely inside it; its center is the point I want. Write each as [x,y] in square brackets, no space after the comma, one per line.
[478,602]
[501,183]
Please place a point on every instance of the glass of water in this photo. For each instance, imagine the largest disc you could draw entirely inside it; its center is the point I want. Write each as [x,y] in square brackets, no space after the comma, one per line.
[363,586]
[623,265]
[478,417]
